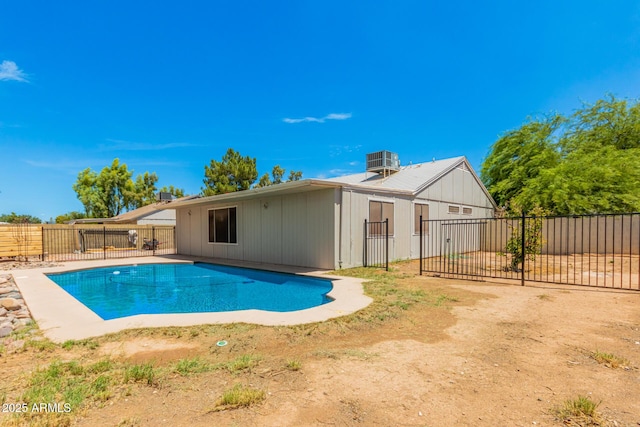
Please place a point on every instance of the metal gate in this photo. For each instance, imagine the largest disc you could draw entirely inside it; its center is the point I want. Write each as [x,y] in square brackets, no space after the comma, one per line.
[376,244]
[450,248]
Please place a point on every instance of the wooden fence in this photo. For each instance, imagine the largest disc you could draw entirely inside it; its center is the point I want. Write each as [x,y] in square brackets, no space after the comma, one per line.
[50,240]
[20,240]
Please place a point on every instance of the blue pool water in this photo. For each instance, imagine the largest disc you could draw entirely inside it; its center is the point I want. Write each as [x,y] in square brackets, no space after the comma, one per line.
[121,291]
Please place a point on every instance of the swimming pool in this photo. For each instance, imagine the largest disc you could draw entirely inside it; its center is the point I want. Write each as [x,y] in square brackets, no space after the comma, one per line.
[121,291]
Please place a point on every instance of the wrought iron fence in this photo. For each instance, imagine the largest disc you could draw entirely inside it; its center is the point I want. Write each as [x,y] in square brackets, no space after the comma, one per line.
[71,243]
[376,244]
[589,250]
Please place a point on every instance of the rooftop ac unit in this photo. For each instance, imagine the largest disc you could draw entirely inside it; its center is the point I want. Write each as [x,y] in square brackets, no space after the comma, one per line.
[164,197]
[383,162]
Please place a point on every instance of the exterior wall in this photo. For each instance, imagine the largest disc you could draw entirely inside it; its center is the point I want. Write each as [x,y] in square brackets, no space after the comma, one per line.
[296,229]
[457,188]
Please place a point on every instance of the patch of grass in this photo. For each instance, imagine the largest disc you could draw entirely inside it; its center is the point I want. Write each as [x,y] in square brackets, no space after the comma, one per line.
[239,396]
[90,344]
[100,388]
[610,360]
[59,382]
[101,366]
[241,363]
[579,411]
[390,298]
[359,354]
[41,345]
[545,297]
[195,365]
[141,373]
[293,365]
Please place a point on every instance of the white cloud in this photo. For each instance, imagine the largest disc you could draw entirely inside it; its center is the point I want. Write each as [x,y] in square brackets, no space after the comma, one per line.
[10,71]
[332,116]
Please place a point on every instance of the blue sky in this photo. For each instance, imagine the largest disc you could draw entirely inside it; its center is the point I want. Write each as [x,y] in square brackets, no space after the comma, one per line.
[312,86]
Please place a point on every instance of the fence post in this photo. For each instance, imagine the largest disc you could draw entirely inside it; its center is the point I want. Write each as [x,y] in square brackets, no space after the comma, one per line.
[365,242]
[420,243]
[524,243]
[104,242]
[153,239]
[386,227]
[42,236]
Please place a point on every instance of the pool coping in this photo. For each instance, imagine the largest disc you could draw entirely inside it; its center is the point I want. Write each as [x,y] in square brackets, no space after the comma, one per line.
[61,317]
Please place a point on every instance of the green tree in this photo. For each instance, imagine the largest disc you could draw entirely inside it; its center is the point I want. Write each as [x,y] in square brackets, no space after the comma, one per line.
[278,173]
[294,175]
[108,193]
[232,173]
[145,189]
[14,218]
[520,155]
[586,163]
[69,216]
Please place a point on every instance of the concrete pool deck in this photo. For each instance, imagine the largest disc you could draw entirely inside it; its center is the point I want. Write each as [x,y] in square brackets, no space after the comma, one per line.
[61,317]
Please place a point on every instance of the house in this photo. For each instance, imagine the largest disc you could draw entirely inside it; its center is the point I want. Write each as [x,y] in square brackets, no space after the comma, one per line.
[319,223]
[152,214]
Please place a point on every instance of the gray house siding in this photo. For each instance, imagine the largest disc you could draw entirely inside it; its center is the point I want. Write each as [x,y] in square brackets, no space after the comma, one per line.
[295,229]
[457,188]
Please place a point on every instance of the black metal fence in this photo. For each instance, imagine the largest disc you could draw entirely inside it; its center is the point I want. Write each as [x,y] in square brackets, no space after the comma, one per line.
[71,243]
[589,250]
[376,244]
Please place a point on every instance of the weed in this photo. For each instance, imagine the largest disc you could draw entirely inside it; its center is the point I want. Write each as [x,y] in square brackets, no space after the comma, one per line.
[581,410]
[609,359]
[239,396]
[545,297]
[41,345]
[129,422]
[293,365]
[196,365]
[101,366]
[86,343]
[143,373]
[241,363]
[326,353]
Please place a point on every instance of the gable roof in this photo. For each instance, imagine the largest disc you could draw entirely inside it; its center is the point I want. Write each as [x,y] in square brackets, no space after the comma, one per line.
[409,180]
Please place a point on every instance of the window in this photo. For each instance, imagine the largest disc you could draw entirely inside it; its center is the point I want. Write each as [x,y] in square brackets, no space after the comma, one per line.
[378,212]
[419,209]
[222,226]
[454,209]
[467,211]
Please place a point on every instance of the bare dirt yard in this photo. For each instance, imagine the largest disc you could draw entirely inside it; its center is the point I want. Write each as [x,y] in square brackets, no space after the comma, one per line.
[427,352]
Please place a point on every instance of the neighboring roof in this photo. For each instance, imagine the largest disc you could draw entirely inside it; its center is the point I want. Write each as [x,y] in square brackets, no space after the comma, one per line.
[134,215]
[409,180]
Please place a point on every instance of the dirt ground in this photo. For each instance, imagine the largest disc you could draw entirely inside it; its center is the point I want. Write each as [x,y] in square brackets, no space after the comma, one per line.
[490,355]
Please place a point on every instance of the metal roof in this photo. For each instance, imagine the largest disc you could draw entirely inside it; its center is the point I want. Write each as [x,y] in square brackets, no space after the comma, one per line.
[409,180]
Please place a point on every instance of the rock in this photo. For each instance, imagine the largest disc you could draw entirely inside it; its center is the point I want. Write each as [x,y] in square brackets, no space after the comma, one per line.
[3,280]
[16,345]
[10,304]
[5,331]
[24,322]
[5,290]
[3,311]
[23,314]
